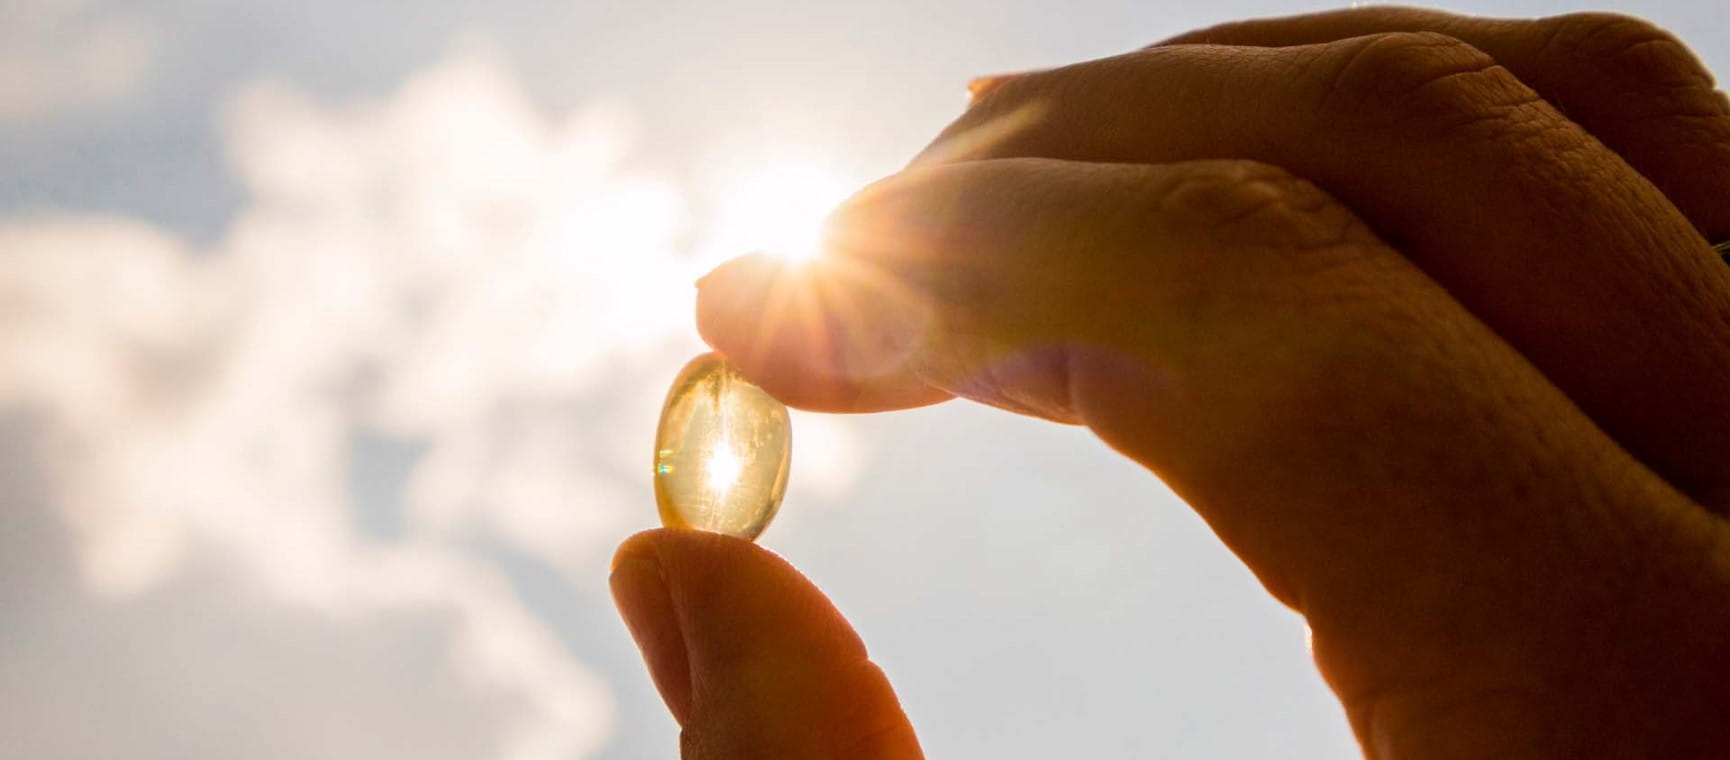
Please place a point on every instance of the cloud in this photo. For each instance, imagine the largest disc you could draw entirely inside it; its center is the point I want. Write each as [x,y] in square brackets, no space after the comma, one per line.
[62,54]
[447,267]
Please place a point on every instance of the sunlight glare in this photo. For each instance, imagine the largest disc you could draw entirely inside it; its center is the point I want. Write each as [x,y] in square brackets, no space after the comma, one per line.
[722,469]
[776,206]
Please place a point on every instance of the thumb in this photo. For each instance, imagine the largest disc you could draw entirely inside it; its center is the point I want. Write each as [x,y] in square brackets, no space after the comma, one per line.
[752,660]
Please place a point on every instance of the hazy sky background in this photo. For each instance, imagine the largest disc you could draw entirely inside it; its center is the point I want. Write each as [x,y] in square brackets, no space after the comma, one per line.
[332,337]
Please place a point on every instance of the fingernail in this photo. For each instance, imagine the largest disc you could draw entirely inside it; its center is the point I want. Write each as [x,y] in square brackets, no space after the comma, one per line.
[979,87]
[640,591]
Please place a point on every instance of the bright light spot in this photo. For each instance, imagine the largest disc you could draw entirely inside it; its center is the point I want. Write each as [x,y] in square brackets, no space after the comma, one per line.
[722,470]
[826,457]
[776,205]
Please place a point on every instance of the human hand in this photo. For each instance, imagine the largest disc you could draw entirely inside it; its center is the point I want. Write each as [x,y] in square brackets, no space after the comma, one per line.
[1417,311]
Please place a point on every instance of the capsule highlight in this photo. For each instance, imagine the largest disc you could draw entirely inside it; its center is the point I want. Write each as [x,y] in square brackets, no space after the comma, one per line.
[723,451]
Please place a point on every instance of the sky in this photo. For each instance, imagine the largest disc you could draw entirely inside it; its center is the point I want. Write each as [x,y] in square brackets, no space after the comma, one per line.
[332,337]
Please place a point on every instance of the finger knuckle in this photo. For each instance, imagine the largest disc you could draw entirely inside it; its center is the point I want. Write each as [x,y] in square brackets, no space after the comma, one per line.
[1000,122]
[1425,81]
[1626,49]
[1271,242]
[1246,204]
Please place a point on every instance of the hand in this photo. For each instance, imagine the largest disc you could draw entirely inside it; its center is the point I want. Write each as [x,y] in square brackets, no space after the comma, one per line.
[1417,311]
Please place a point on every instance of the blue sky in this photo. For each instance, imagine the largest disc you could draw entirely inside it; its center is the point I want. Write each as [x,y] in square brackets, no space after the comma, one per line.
[337,335]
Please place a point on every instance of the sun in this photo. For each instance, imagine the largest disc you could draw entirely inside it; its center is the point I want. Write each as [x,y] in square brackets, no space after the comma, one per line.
[776,204]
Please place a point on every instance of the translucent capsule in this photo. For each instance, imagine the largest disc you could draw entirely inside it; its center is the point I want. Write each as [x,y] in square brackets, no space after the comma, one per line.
[722,451]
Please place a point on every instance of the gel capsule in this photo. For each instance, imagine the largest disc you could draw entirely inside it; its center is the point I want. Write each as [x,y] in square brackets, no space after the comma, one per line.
[722,451]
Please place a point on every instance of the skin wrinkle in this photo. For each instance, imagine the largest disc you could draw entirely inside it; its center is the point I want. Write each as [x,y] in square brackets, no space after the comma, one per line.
[1656,56]
[880,731]
[1300,212]
[1393,68]
[1293,214]
[1443,364]
[1484,102]
[1567,77]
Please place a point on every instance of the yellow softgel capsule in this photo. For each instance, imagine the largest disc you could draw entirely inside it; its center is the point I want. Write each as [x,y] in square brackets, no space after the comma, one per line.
[722,451]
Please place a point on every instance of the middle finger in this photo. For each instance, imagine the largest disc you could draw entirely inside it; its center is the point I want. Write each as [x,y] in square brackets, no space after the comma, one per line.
[1632,85]
[1536,227]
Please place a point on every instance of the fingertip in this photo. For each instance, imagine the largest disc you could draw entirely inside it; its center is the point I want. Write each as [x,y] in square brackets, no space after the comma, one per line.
[816,335]
[682,546]
[683,555]
[640,591]
[696,602]
[754,308]
[638,545]
[769,667]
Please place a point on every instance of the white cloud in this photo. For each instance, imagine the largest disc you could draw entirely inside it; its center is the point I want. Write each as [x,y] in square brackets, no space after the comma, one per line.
[447,266]
[61,54]
[420,266]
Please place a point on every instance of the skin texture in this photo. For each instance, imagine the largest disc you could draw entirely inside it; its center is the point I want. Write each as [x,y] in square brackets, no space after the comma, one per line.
[1444,282]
